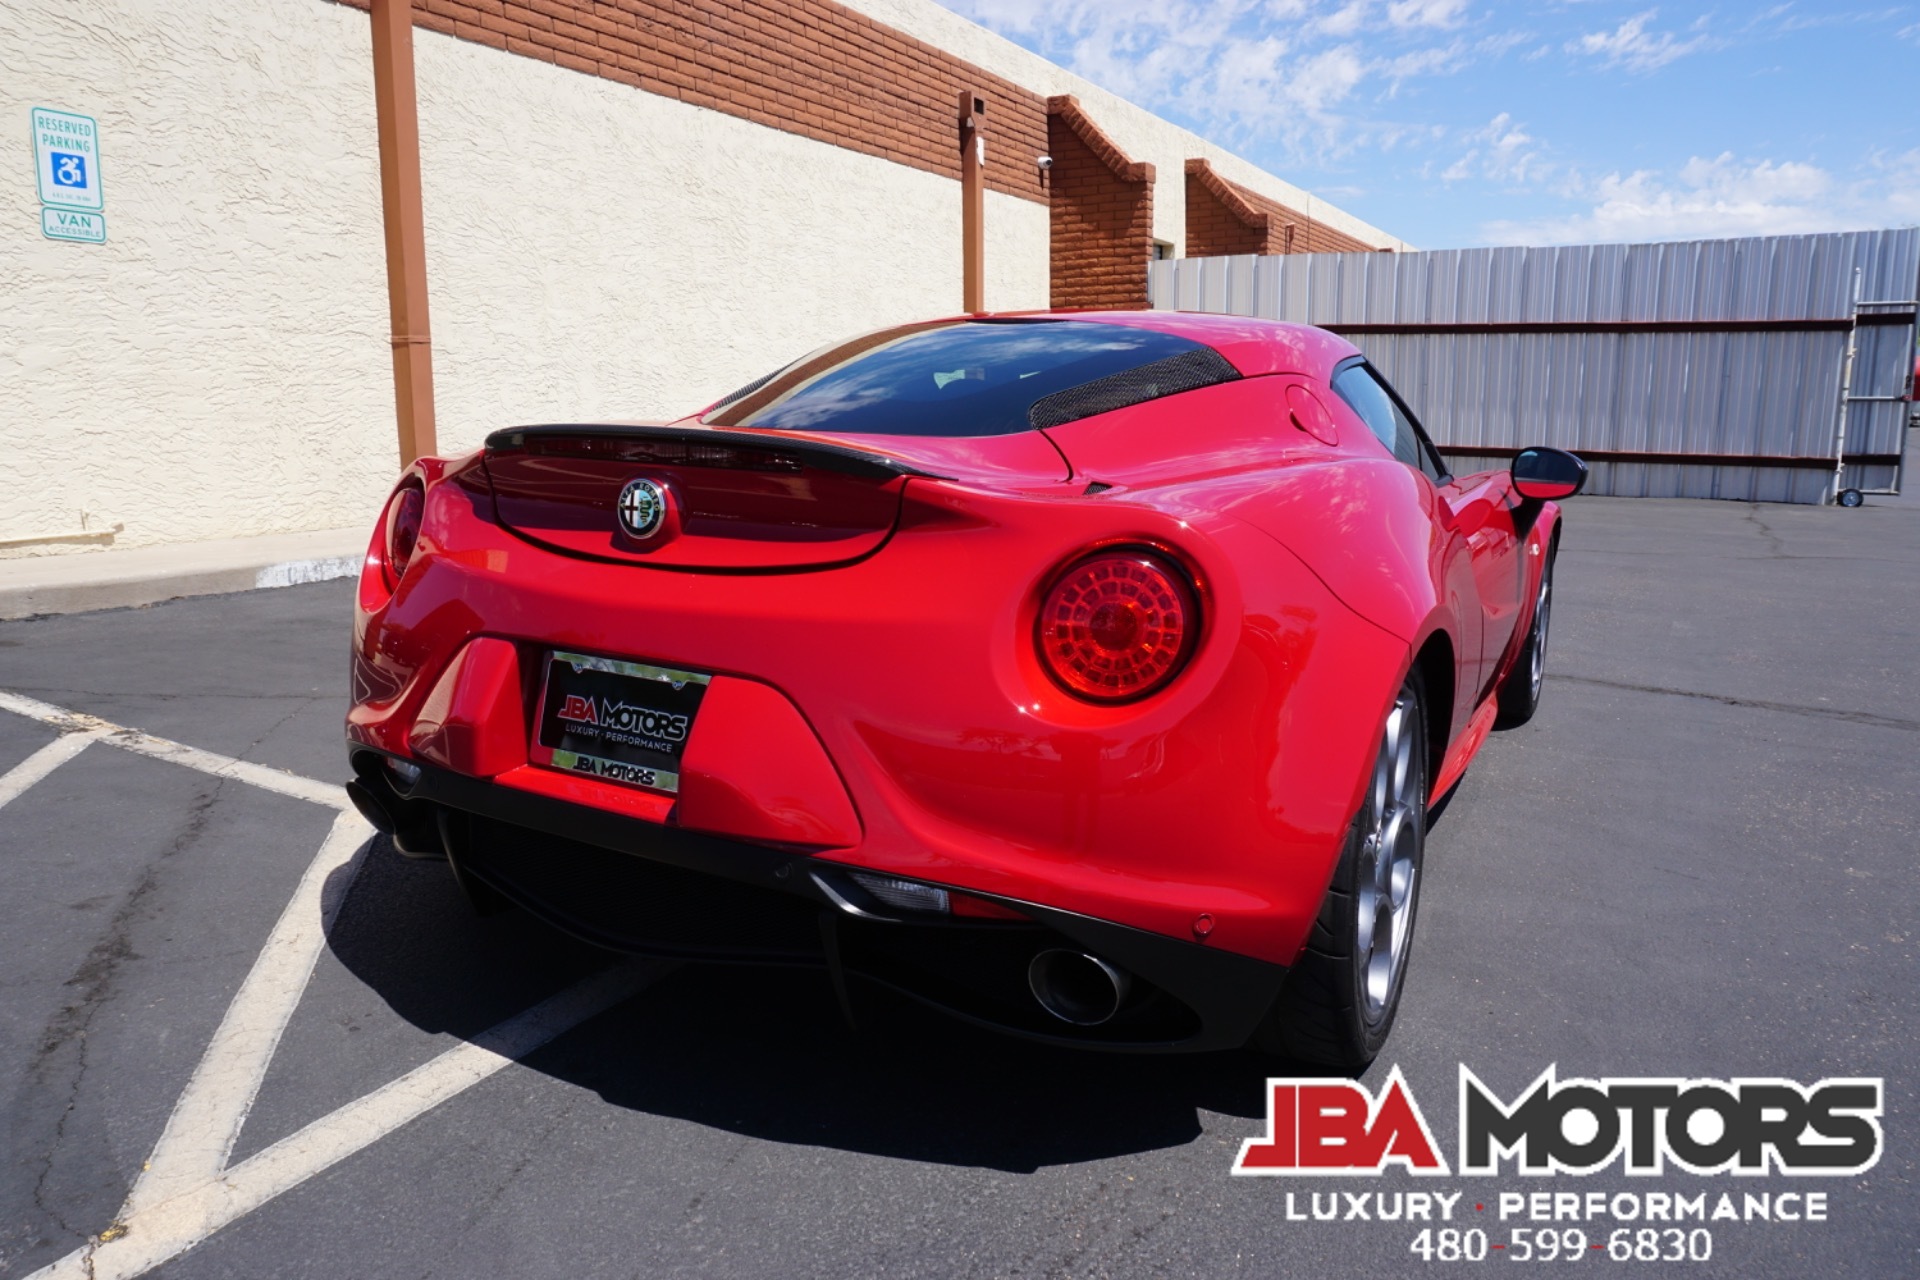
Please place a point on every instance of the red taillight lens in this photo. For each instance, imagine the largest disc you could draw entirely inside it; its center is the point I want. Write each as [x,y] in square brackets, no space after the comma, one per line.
[1117,625]
[403,529]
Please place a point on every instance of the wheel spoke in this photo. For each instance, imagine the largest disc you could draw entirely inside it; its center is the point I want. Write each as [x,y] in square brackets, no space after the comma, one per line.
[1367,913]
[1399,749]
[1400,882]
[1380,979]
[1377,796]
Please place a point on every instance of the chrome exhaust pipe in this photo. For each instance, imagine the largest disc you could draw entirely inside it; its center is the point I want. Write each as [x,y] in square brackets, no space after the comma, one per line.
[1077,988]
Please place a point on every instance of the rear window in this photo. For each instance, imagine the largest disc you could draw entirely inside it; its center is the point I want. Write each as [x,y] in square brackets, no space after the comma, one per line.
[973,378]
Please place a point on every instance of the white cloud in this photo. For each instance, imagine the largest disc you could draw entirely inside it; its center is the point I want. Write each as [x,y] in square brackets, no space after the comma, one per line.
[1725,196]
[1632,46]
[1345,20]
[1432,61]
[1427,13]
[1307,74]
[1501,151]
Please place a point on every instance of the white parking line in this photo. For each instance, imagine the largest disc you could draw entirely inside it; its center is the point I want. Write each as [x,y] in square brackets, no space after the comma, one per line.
[207,1119]
[286,784]
[41,763]
[161,1231]
[186,1191]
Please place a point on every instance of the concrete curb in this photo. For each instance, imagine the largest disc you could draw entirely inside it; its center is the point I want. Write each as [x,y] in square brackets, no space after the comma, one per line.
[83,583]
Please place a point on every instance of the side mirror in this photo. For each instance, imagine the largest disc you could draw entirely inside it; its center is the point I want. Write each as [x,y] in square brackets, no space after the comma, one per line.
[1541,474]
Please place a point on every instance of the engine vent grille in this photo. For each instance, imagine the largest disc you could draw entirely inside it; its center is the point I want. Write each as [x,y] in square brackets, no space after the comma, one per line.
[1188,371]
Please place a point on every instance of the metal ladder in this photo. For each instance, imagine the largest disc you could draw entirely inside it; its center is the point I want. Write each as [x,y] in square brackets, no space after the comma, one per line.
[1839,493]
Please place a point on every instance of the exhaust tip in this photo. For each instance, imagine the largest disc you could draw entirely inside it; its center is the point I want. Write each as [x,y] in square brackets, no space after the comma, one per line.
[411,825]
[370,807]
[1077,988]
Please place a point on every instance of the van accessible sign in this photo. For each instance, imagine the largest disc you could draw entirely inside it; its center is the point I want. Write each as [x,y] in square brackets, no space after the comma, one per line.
[73,224]
[66,152]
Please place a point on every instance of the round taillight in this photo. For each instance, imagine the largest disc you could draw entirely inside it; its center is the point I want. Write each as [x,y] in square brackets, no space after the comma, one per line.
[403,529]
[1117,625]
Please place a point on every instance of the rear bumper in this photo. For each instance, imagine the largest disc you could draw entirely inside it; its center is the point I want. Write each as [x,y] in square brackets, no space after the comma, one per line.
[639,886]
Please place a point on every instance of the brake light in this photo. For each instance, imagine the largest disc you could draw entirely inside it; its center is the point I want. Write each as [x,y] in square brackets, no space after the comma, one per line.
[403,528]
[1117,625]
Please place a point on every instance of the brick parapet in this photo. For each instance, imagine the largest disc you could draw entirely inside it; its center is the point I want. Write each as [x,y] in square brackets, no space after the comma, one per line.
[1225,218]
[1102,217]
[810,67]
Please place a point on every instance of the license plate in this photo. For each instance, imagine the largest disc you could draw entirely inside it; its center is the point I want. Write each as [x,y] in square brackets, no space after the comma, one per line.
[622,722]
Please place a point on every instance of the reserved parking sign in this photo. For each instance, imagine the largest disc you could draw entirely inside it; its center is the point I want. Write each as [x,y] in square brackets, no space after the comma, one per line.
[66,152]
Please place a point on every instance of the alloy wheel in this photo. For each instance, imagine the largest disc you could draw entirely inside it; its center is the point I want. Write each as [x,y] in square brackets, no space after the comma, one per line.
[1389,860]
[1541,610]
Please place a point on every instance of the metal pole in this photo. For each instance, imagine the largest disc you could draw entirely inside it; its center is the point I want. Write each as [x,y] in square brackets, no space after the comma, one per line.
[1846,397]
[973,202]
[399,124]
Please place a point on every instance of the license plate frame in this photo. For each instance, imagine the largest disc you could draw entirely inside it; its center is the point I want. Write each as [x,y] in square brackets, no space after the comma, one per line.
[614,720]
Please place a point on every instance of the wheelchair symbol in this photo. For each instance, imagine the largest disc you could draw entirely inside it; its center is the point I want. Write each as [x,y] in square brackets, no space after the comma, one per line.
[69,170]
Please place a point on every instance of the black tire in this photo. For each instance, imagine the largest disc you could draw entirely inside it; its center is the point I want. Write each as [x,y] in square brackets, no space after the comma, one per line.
[1334,1010]
[1519,694]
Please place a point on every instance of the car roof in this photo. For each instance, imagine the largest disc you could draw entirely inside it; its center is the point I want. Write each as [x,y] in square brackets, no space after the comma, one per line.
[1252,345]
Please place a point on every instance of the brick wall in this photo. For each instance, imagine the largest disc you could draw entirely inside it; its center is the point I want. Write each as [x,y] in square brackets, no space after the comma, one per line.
[1219,223]
[810,67]
[1226,218]
[1102,214]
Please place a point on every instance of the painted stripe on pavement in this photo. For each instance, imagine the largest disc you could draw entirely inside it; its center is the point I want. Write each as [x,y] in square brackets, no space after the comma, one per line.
[257,775]
[165,1230]
[41,763]
[207,1119]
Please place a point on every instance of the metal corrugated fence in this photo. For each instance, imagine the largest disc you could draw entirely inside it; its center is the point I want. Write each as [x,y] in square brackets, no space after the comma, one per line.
[1708,368]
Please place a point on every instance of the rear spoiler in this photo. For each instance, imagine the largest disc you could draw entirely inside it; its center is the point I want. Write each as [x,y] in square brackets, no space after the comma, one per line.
[827,456]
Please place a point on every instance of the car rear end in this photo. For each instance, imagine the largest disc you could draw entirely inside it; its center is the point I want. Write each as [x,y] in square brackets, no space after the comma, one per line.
[920,709]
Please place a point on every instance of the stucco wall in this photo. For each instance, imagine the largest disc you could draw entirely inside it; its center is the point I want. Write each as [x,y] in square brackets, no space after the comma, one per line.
[1140,133]
[220,365]
[595,251]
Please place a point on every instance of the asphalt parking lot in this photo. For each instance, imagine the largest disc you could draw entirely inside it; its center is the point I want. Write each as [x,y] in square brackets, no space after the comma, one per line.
[1698,860]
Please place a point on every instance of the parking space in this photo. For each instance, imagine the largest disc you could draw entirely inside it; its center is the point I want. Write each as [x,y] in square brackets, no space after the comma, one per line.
[243,1039]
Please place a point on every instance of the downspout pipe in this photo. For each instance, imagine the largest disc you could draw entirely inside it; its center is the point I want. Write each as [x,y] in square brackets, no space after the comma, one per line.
[973,202]
[399,124]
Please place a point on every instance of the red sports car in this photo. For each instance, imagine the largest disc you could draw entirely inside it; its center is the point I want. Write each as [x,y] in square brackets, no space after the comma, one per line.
[1087,675]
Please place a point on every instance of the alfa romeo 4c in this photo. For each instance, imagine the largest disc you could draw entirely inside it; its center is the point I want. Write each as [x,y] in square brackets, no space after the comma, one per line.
[1086,675]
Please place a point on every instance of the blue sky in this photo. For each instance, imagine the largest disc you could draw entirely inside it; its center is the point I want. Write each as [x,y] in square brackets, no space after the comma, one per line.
[1452,123]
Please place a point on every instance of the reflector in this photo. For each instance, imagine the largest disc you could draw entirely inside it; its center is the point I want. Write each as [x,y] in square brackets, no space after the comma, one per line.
[902,895]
